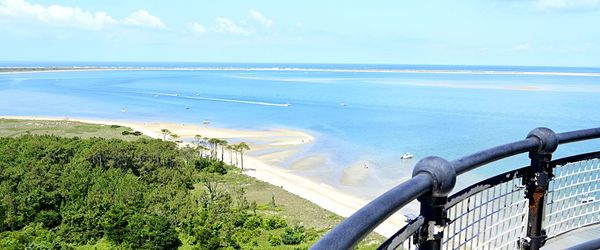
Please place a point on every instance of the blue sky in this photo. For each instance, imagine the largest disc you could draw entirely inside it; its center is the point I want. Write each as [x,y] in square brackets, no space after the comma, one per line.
[461,32]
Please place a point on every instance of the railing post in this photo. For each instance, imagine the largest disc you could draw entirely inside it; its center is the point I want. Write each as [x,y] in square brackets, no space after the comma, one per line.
[432,203]
[536,183]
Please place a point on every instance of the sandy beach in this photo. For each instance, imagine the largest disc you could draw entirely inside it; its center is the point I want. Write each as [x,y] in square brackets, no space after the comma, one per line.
[277,146]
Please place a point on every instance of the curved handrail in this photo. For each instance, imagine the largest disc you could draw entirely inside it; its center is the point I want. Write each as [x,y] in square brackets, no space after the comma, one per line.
[357,226]
[470,162]
[348,233]
[578,135]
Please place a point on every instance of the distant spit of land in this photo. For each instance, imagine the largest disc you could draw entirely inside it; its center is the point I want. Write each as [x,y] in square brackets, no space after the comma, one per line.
[11,70]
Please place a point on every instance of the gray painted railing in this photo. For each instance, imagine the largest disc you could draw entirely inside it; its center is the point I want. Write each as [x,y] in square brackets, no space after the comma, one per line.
[521,208]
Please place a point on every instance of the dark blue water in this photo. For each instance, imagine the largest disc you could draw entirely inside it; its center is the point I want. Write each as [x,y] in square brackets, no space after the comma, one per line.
[355,115]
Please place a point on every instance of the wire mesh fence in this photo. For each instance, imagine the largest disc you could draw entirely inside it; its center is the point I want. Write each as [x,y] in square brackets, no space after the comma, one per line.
[487,217]
[573,198]
[492,214]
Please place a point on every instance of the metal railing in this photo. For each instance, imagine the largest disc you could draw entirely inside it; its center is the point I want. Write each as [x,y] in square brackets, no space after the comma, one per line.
[519,209]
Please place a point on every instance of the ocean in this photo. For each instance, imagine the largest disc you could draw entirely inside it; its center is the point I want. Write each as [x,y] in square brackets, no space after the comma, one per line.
[371,113]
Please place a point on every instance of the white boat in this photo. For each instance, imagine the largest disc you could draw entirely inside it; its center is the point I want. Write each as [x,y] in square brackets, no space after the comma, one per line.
[205,122]
[406,155]
[123,110]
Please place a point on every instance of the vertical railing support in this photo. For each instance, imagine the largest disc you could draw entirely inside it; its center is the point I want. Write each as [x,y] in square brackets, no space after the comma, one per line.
[443,176]
[536,183]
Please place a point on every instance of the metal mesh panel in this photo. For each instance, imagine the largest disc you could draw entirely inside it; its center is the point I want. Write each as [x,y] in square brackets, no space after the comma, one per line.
[491,216]
[408,244]
[403,239]
[573,198]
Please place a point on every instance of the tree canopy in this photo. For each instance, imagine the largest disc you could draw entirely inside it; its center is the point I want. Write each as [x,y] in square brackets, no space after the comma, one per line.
[59,193]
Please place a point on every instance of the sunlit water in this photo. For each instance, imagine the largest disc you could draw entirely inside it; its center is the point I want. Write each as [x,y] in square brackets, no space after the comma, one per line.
[355,116]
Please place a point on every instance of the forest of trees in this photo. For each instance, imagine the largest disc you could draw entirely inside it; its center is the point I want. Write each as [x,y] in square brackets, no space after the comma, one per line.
[61,193]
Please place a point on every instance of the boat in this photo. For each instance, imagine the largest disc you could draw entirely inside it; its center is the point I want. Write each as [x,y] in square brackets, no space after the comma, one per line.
[123,110]
[406,155]
[205,122]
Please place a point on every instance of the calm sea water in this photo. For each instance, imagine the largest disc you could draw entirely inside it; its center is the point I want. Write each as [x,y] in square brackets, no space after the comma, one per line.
[356,116]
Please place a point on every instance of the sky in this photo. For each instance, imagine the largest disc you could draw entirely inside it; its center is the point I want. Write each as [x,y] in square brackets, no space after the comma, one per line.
[459,32]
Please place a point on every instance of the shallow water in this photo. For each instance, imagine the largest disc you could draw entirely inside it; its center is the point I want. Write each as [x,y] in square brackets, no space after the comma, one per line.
[355,116]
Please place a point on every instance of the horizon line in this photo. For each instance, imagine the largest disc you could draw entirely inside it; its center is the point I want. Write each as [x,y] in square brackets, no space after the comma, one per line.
[298,63]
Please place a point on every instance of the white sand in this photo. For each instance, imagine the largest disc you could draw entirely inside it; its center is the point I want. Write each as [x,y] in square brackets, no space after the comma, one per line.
[261,167]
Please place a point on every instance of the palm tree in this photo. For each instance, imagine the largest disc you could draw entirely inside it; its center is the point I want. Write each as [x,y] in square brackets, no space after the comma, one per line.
[200,150]
[197,140]
[234,148]
[230,148]
[213,147]
[204,143]
[175,138]
[164,133]
[241,147]
[222,143]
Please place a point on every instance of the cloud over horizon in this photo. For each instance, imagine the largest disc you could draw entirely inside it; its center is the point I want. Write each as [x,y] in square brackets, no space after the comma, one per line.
[143,18]
[55,14]
[67,16]
[198,28]
[259,17]
[226,26]
[567,5]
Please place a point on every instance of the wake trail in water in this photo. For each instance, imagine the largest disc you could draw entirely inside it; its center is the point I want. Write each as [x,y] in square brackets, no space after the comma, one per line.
[215,99]
[238,101]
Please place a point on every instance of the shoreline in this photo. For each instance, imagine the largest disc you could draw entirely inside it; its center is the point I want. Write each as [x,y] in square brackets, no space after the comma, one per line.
[27,70]
[259,167]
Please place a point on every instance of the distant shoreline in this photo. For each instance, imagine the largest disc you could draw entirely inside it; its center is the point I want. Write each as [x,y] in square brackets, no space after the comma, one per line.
[15,70]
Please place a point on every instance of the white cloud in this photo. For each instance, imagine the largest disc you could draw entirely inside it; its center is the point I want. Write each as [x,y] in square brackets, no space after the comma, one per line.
[569,5]
[226,26]
[66,16]
[198,28]
[522,46]
[143,18]
[259,17]
[55,14]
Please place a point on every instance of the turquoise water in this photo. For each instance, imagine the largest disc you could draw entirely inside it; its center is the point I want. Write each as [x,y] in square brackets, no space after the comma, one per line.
[355,115]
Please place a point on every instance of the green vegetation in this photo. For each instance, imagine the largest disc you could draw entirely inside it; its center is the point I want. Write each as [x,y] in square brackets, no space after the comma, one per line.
[98,193]
[66,128]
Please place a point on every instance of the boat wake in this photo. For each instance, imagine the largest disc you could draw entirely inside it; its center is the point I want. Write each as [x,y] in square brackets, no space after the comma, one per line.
[238,101]
[217,99]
